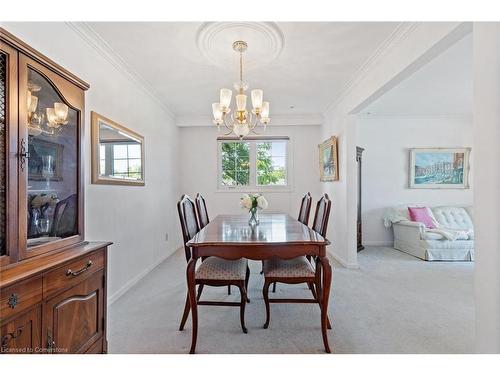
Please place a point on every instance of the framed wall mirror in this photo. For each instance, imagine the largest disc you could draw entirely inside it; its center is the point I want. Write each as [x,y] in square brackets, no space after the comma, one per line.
[117,153]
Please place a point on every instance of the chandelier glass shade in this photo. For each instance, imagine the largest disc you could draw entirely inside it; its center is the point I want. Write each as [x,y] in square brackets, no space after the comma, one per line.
[241,121]
[49,122]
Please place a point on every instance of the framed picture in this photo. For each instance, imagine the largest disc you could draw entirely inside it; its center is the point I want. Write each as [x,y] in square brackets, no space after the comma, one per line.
[45,161]
[328,160]
[439,168]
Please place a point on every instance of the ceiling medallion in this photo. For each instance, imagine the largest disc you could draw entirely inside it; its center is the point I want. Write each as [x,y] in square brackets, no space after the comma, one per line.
[266,38]
[241,122]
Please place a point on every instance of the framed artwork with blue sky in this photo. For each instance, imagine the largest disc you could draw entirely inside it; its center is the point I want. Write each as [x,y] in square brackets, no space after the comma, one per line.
[439,168]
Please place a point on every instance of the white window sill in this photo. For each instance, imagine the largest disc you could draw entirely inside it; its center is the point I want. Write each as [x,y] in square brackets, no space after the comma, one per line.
[283,189]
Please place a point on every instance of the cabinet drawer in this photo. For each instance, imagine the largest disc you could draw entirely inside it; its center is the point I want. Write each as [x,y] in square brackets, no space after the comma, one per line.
[72,273]
[20,296]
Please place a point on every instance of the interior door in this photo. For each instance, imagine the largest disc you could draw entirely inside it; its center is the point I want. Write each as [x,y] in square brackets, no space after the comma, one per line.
[50,178]
[74,319]
[8,154]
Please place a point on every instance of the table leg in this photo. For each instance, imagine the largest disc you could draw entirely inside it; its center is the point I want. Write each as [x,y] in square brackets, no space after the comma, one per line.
[327,279]
[191,284]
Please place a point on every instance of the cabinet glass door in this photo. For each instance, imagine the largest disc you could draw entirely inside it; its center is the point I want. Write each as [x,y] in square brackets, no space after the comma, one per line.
[8,155]
[51,165]
[3,154]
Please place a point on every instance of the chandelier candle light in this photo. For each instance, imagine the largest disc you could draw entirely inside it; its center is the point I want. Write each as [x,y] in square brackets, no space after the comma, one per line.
[241,122]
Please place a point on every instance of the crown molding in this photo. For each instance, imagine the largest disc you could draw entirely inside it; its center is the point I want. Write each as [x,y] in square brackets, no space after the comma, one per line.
[402,31]
[278,120]
[93,39]
[444,116]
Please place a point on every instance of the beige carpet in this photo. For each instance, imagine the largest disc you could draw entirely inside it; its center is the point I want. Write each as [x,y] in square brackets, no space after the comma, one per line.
[394,303]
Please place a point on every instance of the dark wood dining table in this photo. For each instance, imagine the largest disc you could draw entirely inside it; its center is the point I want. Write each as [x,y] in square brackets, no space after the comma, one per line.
[277,235]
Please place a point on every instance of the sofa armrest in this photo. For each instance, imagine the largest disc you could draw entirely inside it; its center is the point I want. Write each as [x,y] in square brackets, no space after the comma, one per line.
[409,223]
[408,230]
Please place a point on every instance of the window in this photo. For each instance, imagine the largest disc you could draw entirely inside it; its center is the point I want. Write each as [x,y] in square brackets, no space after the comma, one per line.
[235,163]
[124,160]
[253,164]
[271,163]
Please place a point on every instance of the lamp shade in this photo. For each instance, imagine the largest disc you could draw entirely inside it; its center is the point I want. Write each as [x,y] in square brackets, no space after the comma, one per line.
[32,103]
[241,102]
[51,117]
[61,111]
[257,96]
[225,98]
[217,111]
[265,110]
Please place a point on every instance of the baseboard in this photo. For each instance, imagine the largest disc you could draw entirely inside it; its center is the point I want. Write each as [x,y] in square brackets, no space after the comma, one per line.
[343,262]
[124,289]
[379,243]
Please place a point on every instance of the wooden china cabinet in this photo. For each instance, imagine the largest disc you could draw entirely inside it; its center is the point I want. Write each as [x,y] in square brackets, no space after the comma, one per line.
[52,282]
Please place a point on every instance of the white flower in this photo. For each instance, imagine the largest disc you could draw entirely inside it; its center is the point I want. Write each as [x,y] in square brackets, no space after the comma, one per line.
[262,202]
[246,201]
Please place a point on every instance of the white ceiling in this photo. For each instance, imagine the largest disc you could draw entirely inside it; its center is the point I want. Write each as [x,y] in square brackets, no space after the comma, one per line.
[310,65]
[444,86]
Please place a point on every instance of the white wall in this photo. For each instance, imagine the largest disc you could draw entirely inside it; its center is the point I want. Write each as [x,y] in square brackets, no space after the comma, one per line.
[199,157]
[487,182]
[135,219]
[407,51]
[387,141]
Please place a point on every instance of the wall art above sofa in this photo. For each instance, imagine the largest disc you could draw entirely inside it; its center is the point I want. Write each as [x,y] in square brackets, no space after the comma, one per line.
[439,168]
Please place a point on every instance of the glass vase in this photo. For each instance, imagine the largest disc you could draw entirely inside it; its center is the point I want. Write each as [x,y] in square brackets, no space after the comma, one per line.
[254,217]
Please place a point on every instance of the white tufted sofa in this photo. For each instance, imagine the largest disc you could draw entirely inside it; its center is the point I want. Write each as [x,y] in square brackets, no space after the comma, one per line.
[412,238]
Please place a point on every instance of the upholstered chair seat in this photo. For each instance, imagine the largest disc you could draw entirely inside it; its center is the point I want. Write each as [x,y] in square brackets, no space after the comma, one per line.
[296,267]
[214,268]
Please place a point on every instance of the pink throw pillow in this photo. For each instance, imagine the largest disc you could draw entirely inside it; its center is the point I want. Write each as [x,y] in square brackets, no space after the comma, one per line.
[421,215]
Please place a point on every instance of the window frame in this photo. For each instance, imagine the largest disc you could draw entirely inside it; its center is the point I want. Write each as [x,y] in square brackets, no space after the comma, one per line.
[253,186]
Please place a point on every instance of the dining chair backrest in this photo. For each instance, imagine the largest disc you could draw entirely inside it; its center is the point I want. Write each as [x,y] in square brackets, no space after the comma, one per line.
[201,208]
[322,215]
[189,223]
[305,209]
[65,217]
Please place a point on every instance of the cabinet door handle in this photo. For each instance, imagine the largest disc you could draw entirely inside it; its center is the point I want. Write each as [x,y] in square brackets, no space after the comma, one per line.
[70,273]
[51,344]
[13,300]
[9,336]
[24,154]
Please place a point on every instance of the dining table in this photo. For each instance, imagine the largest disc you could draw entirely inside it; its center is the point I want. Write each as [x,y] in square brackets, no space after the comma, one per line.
[231,237]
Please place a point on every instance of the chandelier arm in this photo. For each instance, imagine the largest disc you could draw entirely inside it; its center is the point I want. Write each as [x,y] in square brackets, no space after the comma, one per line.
[224,122]
[255,123]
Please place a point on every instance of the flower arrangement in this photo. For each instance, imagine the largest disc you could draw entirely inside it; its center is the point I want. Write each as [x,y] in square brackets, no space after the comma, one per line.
[253,203]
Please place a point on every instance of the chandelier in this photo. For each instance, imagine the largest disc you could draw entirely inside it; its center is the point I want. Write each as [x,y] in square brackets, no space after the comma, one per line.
[241,121]
[56,115]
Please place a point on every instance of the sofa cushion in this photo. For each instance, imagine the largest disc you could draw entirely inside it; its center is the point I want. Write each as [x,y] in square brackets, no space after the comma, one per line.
[453,217]
[422,215]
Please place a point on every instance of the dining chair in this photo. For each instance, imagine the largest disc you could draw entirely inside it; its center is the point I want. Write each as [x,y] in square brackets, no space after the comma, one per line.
[298,270]
[65,217]
[203,220]
[212,271]
[201,209]
[305,210]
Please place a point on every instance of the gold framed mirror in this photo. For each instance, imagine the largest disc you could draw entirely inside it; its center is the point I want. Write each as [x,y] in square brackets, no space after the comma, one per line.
[117,153]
